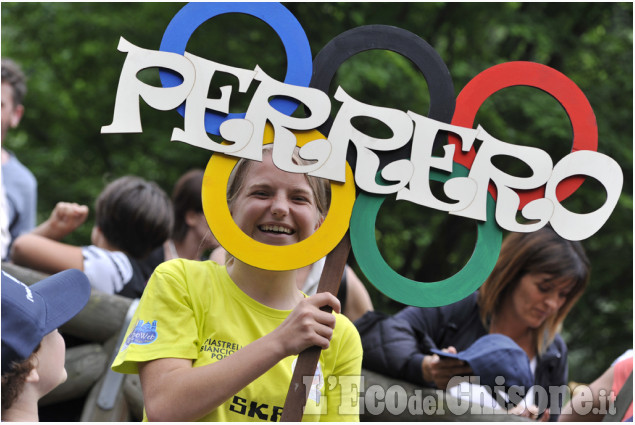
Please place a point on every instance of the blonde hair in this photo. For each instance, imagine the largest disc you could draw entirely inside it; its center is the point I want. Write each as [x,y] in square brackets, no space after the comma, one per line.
[539,252]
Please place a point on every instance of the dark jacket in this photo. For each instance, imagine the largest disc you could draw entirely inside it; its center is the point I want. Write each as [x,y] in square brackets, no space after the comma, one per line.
[396,345]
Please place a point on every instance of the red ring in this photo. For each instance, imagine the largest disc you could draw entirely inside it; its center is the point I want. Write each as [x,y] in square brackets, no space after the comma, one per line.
[558,85]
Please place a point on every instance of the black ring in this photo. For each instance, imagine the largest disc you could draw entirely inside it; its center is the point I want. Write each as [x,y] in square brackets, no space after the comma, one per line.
[385,37]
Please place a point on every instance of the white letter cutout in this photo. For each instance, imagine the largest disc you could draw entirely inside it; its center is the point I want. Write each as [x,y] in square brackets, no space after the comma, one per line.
[197,103]
[126,117]
[573,226]
[507,200]
[367,165]
[419,192]
[260,111]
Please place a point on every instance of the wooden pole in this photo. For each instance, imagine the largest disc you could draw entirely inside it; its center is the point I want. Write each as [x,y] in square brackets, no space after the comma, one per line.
[308,359]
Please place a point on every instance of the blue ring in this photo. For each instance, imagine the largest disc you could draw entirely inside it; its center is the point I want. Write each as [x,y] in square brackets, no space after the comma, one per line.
[291,33]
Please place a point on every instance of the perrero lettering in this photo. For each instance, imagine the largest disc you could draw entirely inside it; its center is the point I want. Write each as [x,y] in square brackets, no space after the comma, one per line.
[407,178]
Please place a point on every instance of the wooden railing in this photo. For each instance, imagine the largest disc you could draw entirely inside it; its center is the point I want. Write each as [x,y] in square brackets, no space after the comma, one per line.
[100,323]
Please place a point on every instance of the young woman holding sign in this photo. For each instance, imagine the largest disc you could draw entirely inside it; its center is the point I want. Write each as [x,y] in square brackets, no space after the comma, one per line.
[218,343]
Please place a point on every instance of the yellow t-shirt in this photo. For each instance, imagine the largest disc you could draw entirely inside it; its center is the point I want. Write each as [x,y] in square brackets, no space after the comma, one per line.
[193,310]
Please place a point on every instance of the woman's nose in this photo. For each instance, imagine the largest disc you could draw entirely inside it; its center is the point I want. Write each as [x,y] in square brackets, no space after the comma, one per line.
[279,206]
[552,301]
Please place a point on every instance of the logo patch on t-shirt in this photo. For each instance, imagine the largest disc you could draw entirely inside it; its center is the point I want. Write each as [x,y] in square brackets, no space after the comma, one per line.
[142,334]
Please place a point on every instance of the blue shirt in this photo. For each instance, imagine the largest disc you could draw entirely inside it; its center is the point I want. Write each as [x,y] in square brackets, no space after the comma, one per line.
[20,188]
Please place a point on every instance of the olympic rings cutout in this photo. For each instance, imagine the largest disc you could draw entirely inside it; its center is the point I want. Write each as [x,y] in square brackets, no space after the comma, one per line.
[270,257]
[558,85]
[291,33]
[398,40]
[422,294]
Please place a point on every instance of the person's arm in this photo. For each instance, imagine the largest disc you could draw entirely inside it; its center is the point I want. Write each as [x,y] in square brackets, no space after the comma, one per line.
[439,327]
[423,326]
[358,301]
[582,406]
[440,371]
[46,255]
[41,249]
[64,219]
[175,391]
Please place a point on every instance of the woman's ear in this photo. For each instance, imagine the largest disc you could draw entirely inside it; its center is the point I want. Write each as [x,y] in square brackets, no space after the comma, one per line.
[191,217]
[319,222]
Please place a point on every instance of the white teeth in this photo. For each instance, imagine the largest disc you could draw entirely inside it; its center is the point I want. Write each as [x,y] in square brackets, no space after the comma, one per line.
[275,229]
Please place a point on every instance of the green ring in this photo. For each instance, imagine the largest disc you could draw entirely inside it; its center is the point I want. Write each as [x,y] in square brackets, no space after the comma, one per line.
[411,292]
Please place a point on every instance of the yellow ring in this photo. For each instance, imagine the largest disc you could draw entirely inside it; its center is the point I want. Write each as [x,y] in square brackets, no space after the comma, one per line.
[270,257]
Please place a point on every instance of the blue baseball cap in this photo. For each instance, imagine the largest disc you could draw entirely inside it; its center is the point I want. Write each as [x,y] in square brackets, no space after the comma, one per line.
[29,313]
[495,355]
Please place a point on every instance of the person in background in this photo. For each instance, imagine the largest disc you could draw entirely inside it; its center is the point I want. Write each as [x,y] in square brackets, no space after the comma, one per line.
[132,217]
[19,184]
[191,237]
[592,404]
[5,235]
[536,281]
[33,351]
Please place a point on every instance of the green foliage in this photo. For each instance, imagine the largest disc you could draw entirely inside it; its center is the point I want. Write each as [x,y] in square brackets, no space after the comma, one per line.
[69,51]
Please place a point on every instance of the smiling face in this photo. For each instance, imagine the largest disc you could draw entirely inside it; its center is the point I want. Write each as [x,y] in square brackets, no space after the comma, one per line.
[537,298]
[275,207]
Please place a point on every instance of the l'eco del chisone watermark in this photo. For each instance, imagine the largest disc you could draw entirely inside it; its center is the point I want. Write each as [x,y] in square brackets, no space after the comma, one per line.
[475,399]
